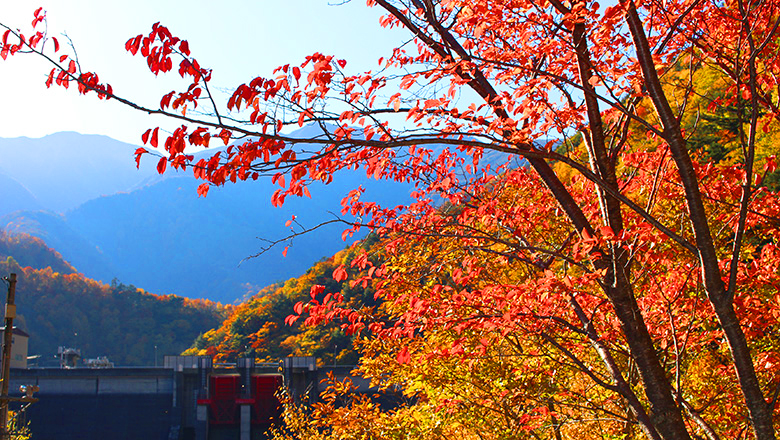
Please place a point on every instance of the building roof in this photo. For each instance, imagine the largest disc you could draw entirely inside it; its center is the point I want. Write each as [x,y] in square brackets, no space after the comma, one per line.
[17,331]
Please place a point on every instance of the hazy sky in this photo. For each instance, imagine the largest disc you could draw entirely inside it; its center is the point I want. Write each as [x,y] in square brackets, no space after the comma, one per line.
[239,40]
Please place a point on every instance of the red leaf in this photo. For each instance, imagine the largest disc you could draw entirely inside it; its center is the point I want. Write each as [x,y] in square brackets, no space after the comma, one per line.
[133,44]
[403,356]
[612,11]
[340,274]
[145,136]
[138,153]
[184,47]
[154,137]
[432,103]
[771,164]
[284,252]
[166,100]
[56,44]
[342,63]
[161,165]
[225,136]
[316,290]
[203,189]
[50,79]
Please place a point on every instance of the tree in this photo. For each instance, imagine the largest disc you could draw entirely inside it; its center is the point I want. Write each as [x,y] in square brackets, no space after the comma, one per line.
[502,76]
[488,322]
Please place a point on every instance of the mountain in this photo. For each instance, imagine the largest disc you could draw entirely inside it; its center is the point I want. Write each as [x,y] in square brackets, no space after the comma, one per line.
[258,327]
[55,230]
[164,237]
[16,196]
[155,232]
[64,170]
[31,251]
[57,306]
[167,239]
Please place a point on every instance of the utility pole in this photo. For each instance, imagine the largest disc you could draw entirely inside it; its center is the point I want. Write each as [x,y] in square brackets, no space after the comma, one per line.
[8,334]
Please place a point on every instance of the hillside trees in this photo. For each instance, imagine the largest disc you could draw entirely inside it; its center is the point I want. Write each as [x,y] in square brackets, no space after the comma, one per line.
[502,75]
[32,251]
[58,306]
[258,327]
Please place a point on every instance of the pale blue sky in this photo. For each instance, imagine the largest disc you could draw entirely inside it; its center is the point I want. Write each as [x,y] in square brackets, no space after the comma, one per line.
[239,40]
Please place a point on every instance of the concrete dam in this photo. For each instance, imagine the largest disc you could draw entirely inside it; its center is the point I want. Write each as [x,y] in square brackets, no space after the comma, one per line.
[189,398]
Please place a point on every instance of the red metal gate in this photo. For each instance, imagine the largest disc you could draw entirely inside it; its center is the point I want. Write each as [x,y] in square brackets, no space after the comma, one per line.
[223,409]
[266,408]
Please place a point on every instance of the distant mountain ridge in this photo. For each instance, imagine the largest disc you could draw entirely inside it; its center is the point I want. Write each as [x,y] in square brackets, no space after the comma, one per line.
[86,199]
[161,235]
[64,170]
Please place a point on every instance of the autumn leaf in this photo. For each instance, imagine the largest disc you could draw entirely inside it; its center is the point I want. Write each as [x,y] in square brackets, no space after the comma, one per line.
[340,274]
[161,165]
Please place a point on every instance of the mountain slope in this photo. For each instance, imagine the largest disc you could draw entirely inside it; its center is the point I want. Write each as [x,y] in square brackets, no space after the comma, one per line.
[56,232]
[167,239]
[31,251]
[59,307]
[258,327]
[16,196]
[64,170]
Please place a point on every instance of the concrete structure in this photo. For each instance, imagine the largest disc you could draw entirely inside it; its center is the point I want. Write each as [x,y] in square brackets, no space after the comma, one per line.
[19,344]
[69,357]
[189,398]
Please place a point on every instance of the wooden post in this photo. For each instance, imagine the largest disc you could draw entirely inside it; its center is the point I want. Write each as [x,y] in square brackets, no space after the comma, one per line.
[10,314]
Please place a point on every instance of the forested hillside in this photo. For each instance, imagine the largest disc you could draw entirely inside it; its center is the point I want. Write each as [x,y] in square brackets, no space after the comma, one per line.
[259,327]
[33,252]
[58,306]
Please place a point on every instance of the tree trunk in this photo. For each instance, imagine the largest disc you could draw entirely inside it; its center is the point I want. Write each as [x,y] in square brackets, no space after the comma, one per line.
[760,413]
